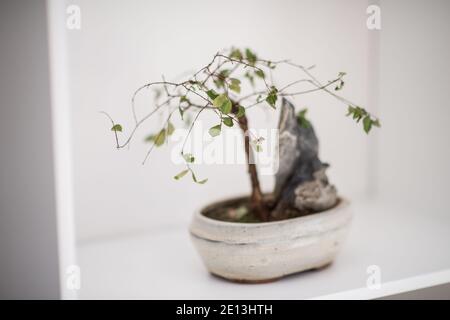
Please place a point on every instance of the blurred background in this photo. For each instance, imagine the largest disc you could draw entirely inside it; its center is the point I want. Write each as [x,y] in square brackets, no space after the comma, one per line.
[64,187]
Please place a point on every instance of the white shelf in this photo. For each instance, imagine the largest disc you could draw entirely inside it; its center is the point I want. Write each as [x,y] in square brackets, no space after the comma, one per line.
[410,247]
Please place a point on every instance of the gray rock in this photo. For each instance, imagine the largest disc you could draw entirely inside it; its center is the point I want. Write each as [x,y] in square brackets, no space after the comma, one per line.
[301,182]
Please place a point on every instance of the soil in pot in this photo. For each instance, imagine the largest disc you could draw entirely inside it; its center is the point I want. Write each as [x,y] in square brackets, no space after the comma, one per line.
[238,210]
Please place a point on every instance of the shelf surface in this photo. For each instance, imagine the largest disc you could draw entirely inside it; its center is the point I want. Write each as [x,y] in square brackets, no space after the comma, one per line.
[409,247]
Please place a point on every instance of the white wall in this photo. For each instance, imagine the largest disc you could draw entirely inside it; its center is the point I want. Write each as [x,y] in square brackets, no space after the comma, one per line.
[122,45]
[414,152]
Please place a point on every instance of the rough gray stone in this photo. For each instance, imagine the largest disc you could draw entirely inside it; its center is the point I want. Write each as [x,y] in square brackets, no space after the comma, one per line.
[301,182]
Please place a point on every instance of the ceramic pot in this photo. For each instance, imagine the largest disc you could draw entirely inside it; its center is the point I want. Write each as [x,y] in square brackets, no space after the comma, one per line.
[261,252]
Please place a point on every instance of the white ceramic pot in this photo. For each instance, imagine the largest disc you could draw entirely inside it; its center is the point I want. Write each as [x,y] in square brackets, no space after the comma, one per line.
[261,252]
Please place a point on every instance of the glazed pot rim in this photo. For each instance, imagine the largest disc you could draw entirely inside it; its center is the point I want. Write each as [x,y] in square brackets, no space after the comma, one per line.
[341,205]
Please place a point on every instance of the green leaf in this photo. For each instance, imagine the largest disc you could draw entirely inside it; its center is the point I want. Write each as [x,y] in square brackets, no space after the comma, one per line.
[180,109]
[215,131]
[235,85]
[250,78]
[226,107]
[358,113]
[224,73]
[260,73]
[271,100]
[181,174]
[170,128]
[197,181]
[188,157]
[228,121]
[272,97]
[150,138]
[339,86]
[219,83]
[220,100]
[367,124]
[250,56]
[223,103]
[184,99]
[271,65]
[116,128]
[257,144]
[350,111]
[212,94]
[160,138]
[236,54]
[241,112]
[301,119]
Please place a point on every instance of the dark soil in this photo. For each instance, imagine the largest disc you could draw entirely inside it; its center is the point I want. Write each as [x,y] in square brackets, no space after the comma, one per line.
[238,210]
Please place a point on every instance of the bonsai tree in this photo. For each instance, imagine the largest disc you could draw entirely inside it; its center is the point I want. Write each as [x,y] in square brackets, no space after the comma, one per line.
[217,88]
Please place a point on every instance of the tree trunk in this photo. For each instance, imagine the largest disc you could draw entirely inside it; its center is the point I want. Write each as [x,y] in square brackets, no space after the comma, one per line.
[257,203]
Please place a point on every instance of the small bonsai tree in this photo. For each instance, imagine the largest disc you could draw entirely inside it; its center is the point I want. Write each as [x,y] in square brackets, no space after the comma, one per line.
[216,88]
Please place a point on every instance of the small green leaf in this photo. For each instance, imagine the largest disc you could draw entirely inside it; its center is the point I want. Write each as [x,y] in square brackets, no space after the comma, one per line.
[271,65]
[236,54]
[350,111]
[180,109]
[116,128]
[228,121]
[257,144]
[212,94]
[224,73]
[241,112]
[250,78]
[197,181]
[250,56]
[367,124]
[220,100]
[150,138]
[170,128]
[215,131]
[339,86]
[272,97]
[301,119]
[219,83]
[271,100]
[260,73]
[188,157]
[223,103]
[181,174]
[235,85]
[226,107]
[160,138]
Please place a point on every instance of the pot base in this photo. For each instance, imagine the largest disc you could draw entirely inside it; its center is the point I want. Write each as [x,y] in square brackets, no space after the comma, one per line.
[246,281]
[269,280]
